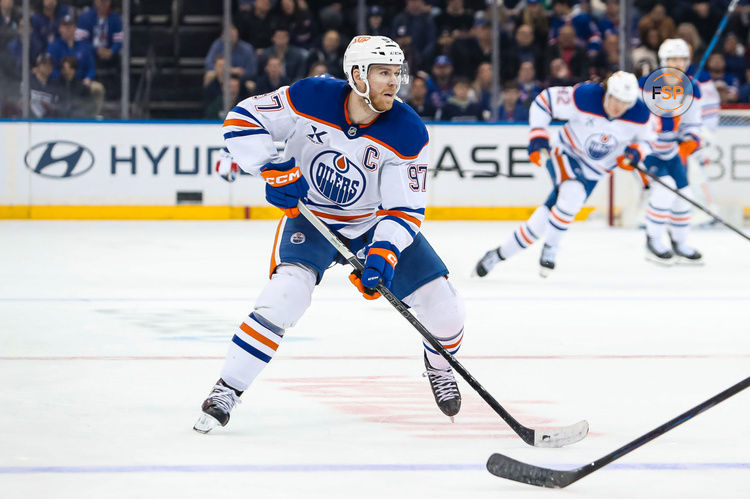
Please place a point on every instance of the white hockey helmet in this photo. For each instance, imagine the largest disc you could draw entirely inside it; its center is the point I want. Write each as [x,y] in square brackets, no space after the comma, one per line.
[673,48]
[364,51]
[623,86]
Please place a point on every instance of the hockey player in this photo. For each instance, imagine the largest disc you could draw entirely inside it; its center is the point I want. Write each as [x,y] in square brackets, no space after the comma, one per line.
[677,139]
[606,125]
[358,158]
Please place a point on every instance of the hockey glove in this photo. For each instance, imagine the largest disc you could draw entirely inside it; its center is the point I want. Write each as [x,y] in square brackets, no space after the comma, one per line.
[380,265]
[687,147]
[538,142]
[285,186]
[631,157]
[226,167]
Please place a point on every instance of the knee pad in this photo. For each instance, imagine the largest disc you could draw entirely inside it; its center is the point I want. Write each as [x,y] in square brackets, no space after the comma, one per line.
[439,307]
[570,196]
[661,197]
[287,295]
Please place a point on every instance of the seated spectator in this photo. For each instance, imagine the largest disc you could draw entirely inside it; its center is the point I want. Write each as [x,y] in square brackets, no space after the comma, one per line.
[704,16]
[420,26]
[102,28]
[482,86]
[565,15]
[418,99]
[273,77]
[566,49]
[689,33]
[607,61]
[214,110]
[375,24]
[295,17]
[744,92]
[294,59]
[9,17]
[512,108]
[646,54]
[15,47]
[255,22]
[525,50]
[734,56]
[66,46]
[455,19]
[45,25]
[440,84]
[527,84]
[411,54]
[329,53]
[244,60]
[727,84]
[475,49]
[609,23]
[43,103]
[74,98]
[559,74]
[318,69]
[459,106]
[535,16]
[656,19]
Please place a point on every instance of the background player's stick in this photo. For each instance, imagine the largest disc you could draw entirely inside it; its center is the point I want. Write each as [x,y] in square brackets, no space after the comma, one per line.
[505,467]
[554,437]
[719,30]
[697,205]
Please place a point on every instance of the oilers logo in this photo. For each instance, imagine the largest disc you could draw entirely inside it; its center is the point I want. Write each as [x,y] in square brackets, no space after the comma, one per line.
[337,178]
[600,145]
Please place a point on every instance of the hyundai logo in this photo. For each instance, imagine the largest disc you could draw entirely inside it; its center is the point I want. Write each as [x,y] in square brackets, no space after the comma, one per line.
[60,159]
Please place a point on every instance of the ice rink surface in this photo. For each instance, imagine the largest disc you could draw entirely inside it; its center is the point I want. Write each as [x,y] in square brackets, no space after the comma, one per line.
[112,334]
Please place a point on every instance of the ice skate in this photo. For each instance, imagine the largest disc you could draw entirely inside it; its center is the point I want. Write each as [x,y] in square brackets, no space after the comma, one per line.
[488,261]
[686,254]
[444,388]
[216,407]
[658,253]
[547,260]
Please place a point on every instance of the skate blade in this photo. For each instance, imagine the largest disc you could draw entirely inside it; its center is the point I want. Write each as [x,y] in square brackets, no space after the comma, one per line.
[544,272]
[206,423]
[659,261]
[681,260]
[453,420]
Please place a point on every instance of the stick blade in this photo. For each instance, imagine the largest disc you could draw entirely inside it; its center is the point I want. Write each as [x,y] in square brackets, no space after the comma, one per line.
[559,437]
[506,467]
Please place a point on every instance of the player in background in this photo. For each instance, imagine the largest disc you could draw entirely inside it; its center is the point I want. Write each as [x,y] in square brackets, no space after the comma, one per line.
[358,158]
[606,125]
[677,139]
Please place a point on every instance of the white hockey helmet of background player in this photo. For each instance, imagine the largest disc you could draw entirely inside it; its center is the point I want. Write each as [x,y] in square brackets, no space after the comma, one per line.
[673,48]
[623,86]
[364,51]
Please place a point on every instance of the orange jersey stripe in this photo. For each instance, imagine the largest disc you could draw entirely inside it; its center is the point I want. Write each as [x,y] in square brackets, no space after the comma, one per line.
[236,122]
[341,218]
[655,215]
[400,214]
[255,334]
[560,219]
[523,233]
[448,347]
[274,263]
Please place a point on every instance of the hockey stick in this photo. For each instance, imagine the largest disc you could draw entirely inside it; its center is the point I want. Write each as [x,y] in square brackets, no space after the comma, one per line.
[554,437]
[697,205]
[505,467]
[719,30]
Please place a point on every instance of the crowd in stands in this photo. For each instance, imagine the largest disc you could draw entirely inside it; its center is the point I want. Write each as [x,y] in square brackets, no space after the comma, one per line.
[447,43]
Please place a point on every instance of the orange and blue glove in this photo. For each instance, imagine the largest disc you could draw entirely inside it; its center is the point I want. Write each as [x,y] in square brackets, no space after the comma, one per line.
[380,265]
[536,146]
[285,186]
[688,147]
[631,157]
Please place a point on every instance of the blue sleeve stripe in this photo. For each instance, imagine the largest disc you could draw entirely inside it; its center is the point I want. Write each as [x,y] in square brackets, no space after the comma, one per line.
[549,99]
[245,112]
[542,108]
[242,133]
[402,223]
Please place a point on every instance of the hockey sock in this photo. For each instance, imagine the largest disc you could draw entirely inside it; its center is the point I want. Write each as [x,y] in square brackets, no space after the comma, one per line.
[451,344]
[253,346]
[527,233]
[657,212]
[679,218]
[558,222]
[570,198]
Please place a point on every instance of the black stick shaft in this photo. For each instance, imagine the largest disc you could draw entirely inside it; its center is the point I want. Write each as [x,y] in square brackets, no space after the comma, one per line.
[697,205]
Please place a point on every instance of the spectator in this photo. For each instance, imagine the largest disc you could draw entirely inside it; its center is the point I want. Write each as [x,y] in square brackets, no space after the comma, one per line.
[375,24]
[583,27]
[482,86]
[646,54]
[66,46]
[689,33]
[559,74]
[9,17]
[727,84]
[215,109]
[527,84]
[43,103]
[411,55]
[704,17]
[294,59]
[318,69]
[524,50]
[459,106]
[255,23]
[15,47]
[418,99]
[608,59]
[273,76]
[609,23]
[566,49]
[440,84]
[74,97]
[744,93]
[329,54]
[535,16]
[420,26]
[455,19]
[470,52]
[244,60]
[656,19]
[734,55]
[294,17]
[103,29]
[45,25]
[512,109]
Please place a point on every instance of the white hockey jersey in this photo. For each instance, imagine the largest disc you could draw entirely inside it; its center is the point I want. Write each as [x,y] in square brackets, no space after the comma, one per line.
[589,136]
[710,99]
[359,175]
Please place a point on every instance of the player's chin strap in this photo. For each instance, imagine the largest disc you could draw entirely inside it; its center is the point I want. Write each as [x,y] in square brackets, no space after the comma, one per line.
[366,95]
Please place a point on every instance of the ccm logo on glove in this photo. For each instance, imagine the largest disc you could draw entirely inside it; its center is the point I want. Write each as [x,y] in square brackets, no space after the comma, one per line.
[278,179]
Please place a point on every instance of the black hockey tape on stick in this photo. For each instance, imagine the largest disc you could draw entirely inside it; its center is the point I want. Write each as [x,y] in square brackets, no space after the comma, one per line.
[552,437]
[697,205]
[506,467]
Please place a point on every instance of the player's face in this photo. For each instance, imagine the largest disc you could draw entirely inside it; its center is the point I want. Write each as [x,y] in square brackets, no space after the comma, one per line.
[678,63]
[614,107]
[384,79]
